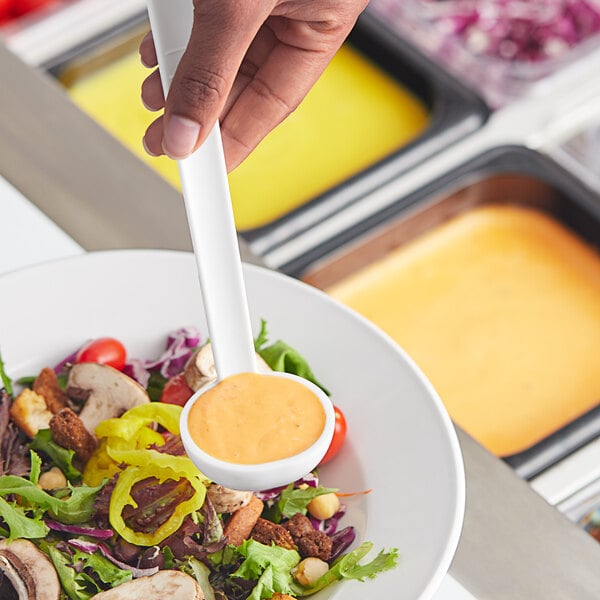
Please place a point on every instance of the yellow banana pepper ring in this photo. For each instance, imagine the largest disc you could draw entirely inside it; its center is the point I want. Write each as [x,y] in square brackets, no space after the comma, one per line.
[129,423]
[121,497]
[99,467]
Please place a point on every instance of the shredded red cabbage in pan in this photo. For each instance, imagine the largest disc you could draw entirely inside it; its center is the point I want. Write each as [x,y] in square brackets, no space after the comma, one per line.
[517,30]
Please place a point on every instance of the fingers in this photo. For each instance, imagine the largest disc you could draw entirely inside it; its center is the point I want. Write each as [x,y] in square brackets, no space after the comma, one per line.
[152,92]
[153,139]
[221,33]
[148,52]
[244,66]
[270,95]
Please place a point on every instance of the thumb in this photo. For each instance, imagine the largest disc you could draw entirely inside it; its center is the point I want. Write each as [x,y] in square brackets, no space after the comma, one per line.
[221,33]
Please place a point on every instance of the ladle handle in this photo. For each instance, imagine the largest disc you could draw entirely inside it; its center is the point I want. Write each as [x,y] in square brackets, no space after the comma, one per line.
[209,212]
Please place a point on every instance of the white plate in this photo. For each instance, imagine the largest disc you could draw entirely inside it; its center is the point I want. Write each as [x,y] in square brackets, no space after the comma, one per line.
[401,442]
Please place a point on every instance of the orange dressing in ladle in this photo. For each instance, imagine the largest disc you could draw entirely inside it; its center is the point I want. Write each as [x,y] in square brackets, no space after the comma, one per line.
[250,418]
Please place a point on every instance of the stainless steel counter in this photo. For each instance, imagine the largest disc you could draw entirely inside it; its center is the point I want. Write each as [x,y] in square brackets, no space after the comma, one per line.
[514,545]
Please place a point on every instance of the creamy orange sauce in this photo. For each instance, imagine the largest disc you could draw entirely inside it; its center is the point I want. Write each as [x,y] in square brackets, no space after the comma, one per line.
[501,309]
[251,419]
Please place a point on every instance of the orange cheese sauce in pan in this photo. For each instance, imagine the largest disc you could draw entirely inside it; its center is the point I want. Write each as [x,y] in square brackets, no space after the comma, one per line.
[500,307]
[252,419]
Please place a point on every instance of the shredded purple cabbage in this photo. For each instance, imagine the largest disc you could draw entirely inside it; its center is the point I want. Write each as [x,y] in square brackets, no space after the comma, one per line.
[511,30]
[135,369]
[68,360]
[328,526]
[91,547]
[341,541]
[311,479]
[100,534]
[518,30]
[180,345]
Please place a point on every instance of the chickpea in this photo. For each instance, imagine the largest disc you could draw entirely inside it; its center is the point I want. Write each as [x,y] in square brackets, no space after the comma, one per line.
[309,570]
[324,507]
[52,479]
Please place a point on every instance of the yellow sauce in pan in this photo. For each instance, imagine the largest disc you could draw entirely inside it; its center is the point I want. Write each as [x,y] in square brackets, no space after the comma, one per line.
[354,116]
[253,419]
[501,309]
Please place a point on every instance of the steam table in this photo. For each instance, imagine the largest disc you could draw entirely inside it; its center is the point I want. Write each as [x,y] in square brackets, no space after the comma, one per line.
[81,190]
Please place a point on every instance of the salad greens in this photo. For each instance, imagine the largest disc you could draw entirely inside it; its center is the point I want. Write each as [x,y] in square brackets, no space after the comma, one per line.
[76,506]
[59,456]
[6,380]
[294,500]
[270,566]
[138,504]
[83,575]
[348,567]
[281,357]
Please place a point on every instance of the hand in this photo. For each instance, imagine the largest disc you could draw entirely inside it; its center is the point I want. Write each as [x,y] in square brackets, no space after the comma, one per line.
[248,63]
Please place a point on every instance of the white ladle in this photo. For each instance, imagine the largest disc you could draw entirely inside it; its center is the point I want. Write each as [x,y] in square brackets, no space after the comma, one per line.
[210,217]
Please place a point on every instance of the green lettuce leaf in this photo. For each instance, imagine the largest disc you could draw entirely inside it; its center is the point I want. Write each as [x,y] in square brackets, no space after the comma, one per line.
[77,508]
[61,457]
[265,586]
[22,522]
[270,566]
[262,338]
[347,567]
[104,569]
[295,500]
[224,557]
[200,572]
[78,586]
[282,357]
[83,574]
[5,379]
[36,467]
[156,385]
[27,381]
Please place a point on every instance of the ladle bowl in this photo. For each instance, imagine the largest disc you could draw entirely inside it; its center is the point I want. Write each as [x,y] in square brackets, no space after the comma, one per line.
[261,476]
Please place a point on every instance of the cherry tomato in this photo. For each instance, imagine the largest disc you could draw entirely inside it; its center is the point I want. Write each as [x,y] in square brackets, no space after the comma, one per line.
[176,391]
[339,435]
[106,351]
[6,7]
[23,7]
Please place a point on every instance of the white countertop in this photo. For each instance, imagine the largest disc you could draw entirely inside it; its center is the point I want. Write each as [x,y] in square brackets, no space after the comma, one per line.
[29,237]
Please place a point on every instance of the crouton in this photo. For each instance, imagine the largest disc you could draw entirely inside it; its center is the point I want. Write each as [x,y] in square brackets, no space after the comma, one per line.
[280,596]
[268,533]
[242,521]
[46,385]
[298,525]
[69,432]
[315,543]
[30,413]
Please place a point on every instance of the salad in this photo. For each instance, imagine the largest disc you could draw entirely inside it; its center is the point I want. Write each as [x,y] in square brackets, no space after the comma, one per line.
[98,499]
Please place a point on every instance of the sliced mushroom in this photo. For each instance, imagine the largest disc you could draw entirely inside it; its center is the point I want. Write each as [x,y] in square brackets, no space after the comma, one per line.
[225,500]
[200,369]
[111,392]
[29,570]
[164,584]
